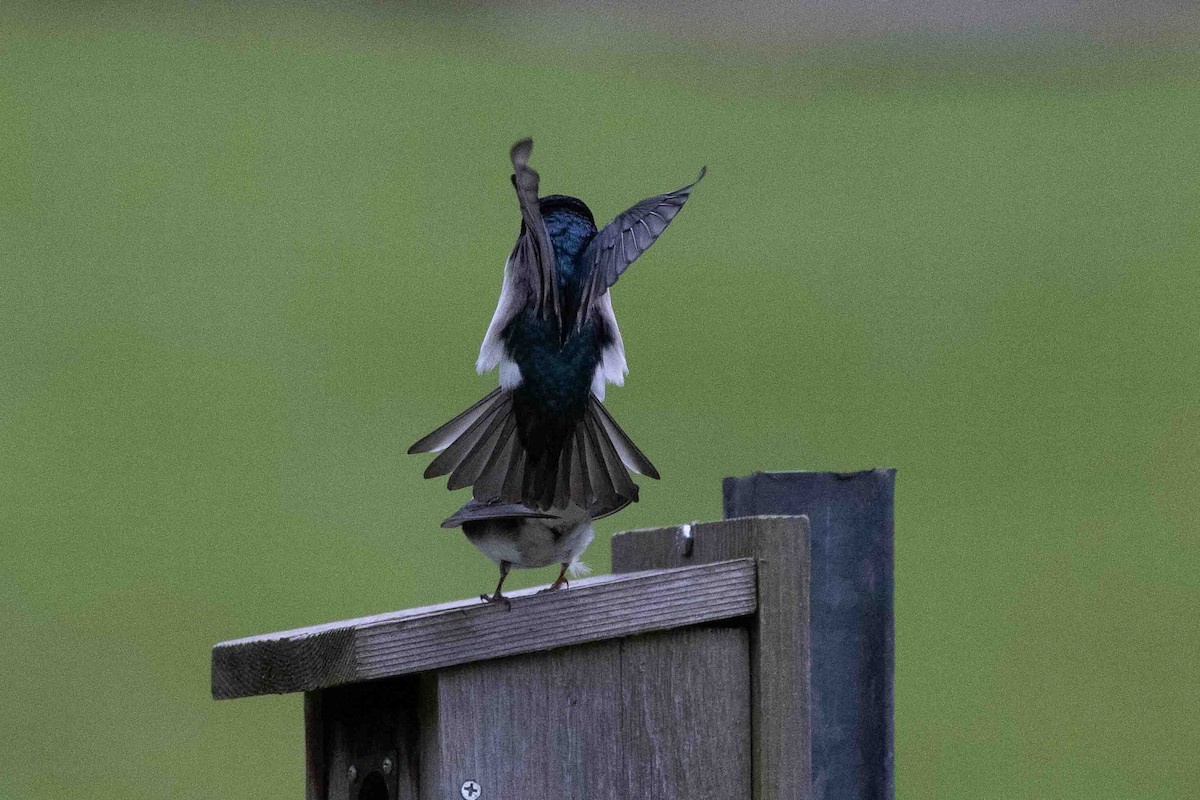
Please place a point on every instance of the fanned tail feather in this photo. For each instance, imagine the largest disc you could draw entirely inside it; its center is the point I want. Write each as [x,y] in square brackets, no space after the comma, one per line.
[631,456]
[441,438]
[586,467]
[620,485]
[464,444]
[489,487]
[476,458]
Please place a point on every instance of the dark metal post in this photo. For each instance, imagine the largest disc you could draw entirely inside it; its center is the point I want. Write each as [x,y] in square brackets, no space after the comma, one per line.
[853,635]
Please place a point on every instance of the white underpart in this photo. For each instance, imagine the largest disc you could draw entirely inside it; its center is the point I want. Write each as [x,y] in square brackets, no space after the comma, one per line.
[510,373]
[612,367]
[536,542]
[492,351]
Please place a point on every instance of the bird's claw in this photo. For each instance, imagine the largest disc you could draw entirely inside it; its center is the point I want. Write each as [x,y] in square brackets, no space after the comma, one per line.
[554,587]
[491,599]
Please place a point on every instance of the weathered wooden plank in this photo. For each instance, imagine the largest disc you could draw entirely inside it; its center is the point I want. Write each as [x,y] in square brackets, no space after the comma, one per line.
[661,715]
[686,714]
[853,648]
[289,664]
[779,646]
[421,639]
[531,726]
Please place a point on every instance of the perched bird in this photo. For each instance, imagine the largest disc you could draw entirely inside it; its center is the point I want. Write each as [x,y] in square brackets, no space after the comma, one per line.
[514,535]
[543,455]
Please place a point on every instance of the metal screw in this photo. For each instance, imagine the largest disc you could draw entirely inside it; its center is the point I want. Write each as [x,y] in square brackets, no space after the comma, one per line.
[387,766]
[471,791]
[352,773]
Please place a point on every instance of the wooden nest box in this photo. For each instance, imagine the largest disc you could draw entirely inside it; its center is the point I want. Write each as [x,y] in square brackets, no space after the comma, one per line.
[748,658]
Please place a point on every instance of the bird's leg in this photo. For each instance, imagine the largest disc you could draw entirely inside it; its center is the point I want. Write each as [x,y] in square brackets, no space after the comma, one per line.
[559,582]
[498,597]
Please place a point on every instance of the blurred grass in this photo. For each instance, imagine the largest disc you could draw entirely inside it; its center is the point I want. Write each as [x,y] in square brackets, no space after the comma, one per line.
[248,252]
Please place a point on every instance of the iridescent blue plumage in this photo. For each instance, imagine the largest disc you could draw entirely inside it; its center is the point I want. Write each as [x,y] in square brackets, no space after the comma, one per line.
[557,375]
[543,439]
[557,362]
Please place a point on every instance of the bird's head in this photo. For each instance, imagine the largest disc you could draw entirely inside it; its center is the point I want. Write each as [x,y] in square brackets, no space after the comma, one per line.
[569,222]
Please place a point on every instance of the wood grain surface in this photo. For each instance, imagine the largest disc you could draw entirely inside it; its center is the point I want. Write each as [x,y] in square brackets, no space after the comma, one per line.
[421,639]
[780,653]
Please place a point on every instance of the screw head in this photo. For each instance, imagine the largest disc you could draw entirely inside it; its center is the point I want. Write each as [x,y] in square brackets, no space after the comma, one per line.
[352,773]
[388,766]
[471,790]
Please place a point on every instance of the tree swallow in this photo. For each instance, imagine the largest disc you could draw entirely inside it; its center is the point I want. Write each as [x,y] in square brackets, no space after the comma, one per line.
[542,454]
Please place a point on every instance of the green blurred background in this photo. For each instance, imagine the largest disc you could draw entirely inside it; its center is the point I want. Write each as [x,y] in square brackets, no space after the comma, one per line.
[248,253]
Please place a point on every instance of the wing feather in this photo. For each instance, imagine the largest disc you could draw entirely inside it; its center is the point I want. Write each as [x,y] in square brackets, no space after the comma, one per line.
[628,236]
[533,257]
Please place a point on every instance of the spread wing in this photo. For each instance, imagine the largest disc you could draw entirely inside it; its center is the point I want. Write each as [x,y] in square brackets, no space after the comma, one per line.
[533,257]
[530,271]
[628,236]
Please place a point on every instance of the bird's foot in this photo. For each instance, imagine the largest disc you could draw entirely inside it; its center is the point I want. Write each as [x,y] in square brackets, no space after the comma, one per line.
[496,598]
[561,583]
